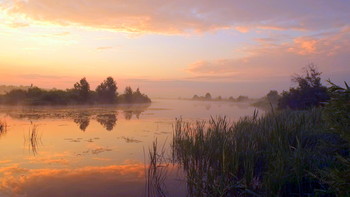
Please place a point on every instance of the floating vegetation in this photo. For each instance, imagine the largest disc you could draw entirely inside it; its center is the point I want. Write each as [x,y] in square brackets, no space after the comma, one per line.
[130,140]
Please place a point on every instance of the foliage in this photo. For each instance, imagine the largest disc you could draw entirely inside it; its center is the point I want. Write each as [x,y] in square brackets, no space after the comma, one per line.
[337,115]
[309,93]
[106,92]
[82,90]
[131,96]
[272,155]
[269,101]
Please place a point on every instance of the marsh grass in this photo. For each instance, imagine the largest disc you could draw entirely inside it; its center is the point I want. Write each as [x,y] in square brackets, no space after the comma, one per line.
[33,139]
[271,155]
[157,171]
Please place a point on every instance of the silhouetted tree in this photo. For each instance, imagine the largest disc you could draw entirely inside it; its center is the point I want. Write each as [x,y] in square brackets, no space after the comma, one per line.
[242,98]
[128,94]
[309,92]
[195,97]
[107,90]
[273,96]
[208,96]
[82,89]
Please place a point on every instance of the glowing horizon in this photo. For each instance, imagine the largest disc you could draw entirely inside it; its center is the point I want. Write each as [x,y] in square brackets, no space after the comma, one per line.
[172,49]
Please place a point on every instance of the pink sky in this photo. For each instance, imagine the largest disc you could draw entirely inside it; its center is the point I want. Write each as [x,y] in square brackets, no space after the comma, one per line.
[173,48]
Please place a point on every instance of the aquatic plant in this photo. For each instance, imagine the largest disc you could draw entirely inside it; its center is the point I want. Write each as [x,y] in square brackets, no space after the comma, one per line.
[33,140]
[270,155]
[157,171]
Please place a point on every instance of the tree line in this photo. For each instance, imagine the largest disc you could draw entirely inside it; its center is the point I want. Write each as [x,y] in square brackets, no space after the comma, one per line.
[105,93]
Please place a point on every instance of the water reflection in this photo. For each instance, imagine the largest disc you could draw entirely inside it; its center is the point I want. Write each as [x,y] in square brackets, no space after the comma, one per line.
[3,128]
[114,180]
[33,139]
[129,114]
[83,120]
[108,121]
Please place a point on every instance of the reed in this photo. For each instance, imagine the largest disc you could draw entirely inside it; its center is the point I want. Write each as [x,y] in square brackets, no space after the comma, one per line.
[157,171]
[270,155]
[33,139]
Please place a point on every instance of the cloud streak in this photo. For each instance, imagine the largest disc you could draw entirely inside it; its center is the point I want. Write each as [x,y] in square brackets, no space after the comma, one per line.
[270,59]
[181,16]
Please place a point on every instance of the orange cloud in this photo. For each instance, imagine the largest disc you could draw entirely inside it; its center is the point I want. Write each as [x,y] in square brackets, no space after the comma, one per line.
[270,58]
[304,46]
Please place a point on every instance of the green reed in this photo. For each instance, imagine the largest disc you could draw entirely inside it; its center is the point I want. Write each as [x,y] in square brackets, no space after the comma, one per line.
[271,155]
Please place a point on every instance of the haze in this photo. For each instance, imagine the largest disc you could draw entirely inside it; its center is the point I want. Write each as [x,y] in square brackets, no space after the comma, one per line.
[173,48]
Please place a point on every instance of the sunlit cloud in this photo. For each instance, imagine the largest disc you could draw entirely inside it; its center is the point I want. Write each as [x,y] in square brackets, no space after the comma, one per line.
[269,59]
[178,17]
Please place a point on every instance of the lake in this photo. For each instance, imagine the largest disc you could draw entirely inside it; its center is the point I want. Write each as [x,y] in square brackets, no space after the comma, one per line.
[95,150]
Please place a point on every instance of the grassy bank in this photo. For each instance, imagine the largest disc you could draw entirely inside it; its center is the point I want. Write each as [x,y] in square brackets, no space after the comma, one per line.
[278,154]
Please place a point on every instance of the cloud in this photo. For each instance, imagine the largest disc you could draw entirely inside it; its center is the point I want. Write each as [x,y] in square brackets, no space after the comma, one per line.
[270,58]
[182,16]
[104,48]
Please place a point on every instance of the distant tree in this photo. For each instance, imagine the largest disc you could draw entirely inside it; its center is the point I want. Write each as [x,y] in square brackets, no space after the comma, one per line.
[231,98]
[309,92]
[273,96]
[195,97]
[208,96]
[242,98]
[82,89]
[128,94]
[219,98]
[107,91]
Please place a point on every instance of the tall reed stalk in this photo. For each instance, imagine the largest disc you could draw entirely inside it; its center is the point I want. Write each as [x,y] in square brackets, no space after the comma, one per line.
[271,155]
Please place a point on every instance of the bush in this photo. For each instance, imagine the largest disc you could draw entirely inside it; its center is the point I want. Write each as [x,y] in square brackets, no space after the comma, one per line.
[309,93]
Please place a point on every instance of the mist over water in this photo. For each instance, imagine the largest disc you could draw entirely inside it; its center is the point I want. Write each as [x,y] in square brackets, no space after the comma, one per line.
[94,151]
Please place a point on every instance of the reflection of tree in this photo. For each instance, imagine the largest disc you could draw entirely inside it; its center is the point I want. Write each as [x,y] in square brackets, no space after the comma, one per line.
[208,106]
[83,121]
[108,121]
[128,114]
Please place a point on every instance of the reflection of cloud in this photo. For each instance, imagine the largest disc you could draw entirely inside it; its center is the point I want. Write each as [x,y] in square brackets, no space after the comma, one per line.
[88,181]
[172,17]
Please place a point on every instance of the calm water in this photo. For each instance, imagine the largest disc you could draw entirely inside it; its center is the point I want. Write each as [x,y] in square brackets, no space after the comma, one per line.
[93,151]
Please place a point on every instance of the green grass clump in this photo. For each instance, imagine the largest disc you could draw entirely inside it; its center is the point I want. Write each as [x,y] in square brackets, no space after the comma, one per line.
[277,154]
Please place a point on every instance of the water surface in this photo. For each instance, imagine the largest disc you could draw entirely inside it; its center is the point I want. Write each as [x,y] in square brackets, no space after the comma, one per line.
[93,151]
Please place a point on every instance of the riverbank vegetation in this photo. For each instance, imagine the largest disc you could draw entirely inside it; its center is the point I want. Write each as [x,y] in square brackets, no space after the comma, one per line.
[105,93]
[208,97]
[283,153]
[301,148]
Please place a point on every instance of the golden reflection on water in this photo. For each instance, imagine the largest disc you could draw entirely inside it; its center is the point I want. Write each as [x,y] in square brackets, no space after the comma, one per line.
[90,151]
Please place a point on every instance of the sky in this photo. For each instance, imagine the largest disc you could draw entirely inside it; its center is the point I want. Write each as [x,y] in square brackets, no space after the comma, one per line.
[173,48]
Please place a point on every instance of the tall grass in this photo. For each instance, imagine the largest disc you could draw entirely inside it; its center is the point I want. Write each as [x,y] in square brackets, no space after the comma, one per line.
[156,172]
[273,155]
[33,140]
